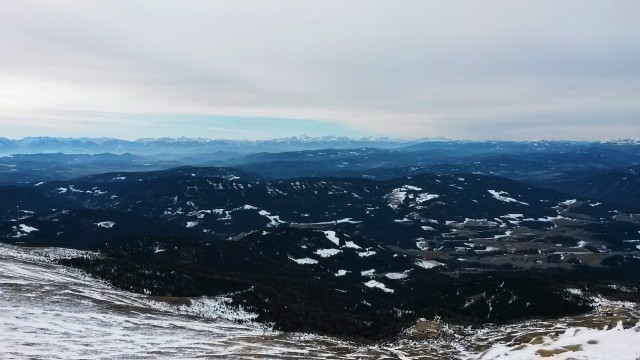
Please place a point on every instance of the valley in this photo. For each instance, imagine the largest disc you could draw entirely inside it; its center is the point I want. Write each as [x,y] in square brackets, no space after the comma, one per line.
[359,259]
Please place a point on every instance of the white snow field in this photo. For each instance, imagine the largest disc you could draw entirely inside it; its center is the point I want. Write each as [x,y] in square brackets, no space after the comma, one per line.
[576,343]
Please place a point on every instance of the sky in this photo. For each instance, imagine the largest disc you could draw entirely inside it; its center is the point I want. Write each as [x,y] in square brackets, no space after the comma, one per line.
[530,69]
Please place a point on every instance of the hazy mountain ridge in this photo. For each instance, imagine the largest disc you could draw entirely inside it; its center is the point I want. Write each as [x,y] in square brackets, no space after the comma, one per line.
[183,145]
[532,161]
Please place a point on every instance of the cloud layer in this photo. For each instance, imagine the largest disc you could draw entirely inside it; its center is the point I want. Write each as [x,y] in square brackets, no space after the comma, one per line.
[463,69]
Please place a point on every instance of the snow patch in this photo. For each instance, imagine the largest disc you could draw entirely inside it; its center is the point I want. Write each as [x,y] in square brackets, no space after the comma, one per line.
[502,196]
[428,264]
[366,253]
[305,261]
[403,221]
[426,197]
[576,343]
[275,219]
[191,224]
[396,276]
[105,224]
[512,216]
[347,221]
[378,285]
[220,307]
[325,253]
[396,197]
[574,291]
[422,244]
[331,236]
[341,272]
[351,245]
[26,228]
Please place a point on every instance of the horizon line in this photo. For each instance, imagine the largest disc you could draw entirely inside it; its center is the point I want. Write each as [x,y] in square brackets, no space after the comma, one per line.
[312,138]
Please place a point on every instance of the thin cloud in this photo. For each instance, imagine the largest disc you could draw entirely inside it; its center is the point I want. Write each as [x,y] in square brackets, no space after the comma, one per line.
[464,69]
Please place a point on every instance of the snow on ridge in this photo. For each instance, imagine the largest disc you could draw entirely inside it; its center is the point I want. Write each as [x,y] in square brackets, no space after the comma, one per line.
[332,222]
[191,224]
[369,272]
[396,276]
[422,244]
[105,224]
[219,307]
[426,197]
[325,253]
[331,236]
[410,188]
[366,253]
[347,221]
[501,195]
[479,222]
[403,221]
[45,254]
[428,264]
[305,261]
[551,218]
[505,235]
[96,191]
[341,272]
[574,291]
[513,216]
[396,197]
[275,219]
[26,228]
[351,245]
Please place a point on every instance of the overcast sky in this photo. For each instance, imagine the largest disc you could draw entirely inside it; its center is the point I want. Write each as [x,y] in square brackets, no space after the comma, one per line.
[264,69]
